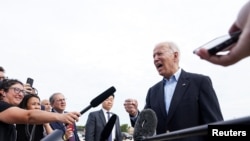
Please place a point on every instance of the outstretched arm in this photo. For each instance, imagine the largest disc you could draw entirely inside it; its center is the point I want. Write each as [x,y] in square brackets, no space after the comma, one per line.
[21,116]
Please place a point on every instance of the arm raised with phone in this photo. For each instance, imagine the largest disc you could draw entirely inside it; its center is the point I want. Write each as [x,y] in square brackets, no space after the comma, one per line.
[220,44]
[28,87]
[237,51]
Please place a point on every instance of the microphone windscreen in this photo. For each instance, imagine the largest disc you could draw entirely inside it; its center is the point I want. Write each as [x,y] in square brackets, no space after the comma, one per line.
[99,99]
[145,125]
[56,135]
[108,128]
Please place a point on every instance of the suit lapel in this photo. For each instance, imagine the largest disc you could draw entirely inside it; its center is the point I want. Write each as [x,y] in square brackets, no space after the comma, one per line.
[102,117]
[179,92]
[61,125]
[162,99]
[58,125]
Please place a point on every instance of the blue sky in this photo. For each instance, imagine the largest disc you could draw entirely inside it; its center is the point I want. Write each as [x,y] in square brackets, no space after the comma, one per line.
[83,47]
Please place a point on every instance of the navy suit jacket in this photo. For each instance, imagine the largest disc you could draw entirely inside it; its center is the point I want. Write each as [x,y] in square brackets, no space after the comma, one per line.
[60,125]
[194,103]
[96,123]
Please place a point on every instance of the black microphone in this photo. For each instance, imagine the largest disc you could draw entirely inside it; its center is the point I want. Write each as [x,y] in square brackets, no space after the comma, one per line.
[99,99]
[145,125]
[56,135]
[108,128]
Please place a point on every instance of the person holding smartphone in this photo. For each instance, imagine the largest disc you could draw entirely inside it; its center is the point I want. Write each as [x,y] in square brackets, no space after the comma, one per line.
[10,114]
[28,86]
[237,51]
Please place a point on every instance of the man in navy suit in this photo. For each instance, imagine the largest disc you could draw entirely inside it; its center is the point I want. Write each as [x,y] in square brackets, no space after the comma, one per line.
[58,104]
[181,99]
[97,120]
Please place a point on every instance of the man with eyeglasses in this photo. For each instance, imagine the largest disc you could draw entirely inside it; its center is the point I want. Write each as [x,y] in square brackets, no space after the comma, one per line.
[58,104]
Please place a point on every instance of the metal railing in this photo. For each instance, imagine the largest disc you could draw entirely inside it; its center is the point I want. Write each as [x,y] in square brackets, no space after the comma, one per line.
[197,130]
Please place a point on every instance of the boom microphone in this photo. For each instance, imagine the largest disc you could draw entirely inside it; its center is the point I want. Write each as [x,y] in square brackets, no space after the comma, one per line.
[57,134]
[108,128]
[99,99]
[145,125]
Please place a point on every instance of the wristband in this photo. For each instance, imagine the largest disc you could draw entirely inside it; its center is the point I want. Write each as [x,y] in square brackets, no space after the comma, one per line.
[64,137]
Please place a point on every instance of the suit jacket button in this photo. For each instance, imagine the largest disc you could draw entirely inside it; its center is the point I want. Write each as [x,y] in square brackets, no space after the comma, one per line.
[167,131]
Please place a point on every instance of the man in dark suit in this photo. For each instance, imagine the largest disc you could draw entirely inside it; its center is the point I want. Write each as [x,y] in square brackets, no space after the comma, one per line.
[58,104]
[182,99]
[97,120]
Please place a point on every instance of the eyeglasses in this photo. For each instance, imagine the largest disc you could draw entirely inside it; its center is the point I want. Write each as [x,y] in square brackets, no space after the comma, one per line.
[61,100]
[17,90]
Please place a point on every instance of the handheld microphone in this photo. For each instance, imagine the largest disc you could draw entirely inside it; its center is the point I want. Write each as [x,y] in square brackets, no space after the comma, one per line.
[56,135]
[108,128]
[99,99]
[145,125]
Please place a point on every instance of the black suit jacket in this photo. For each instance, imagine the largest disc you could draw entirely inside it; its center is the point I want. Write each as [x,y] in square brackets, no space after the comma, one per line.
[60,126]
[96,123]
[194,103]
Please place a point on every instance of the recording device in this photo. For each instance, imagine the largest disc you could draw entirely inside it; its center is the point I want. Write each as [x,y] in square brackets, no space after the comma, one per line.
[220,43]
[199,130]
[108,128]
[99,99]
[30,81]
[145,125]
[57,134]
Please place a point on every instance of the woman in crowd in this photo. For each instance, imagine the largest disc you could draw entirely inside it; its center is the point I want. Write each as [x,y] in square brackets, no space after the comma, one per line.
[25,132]
[12,93]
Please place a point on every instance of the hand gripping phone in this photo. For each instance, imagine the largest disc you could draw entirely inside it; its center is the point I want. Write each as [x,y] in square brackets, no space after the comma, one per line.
[30,81]
[220,43]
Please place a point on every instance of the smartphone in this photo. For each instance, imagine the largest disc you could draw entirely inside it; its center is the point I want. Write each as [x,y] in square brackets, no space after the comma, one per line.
[30,81]
[220,43]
